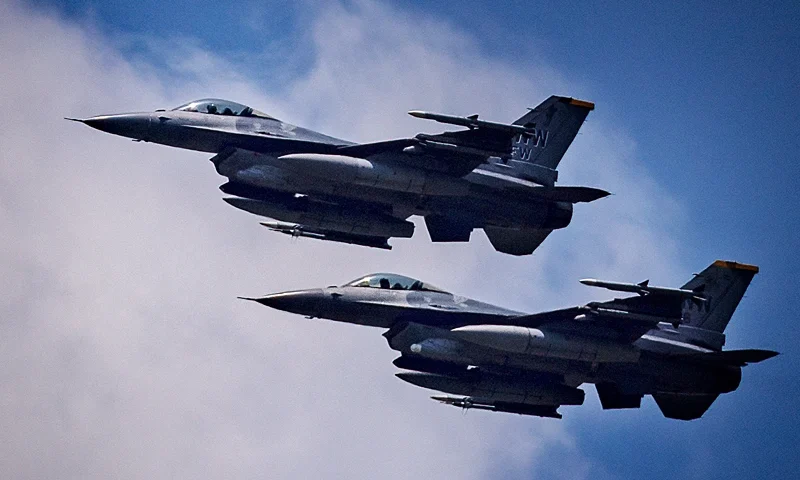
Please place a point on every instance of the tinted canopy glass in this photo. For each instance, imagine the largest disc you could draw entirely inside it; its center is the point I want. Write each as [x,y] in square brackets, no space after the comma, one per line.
[216,106]
[391,281]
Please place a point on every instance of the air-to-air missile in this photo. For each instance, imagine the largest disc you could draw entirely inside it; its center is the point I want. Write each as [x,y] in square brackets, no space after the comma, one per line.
[644,288]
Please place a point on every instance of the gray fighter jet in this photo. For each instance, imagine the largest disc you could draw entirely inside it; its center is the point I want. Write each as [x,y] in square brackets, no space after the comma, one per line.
[494,176]
[664,342]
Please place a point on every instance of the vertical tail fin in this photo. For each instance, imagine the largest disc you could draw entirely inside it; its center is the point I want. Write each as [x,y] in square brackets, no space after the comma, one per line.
[556,122]
[723,284]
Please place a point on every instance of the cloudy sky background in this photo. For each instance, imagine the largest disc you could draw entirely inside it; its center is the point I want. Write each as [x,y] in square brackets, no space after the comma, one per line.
[126,354]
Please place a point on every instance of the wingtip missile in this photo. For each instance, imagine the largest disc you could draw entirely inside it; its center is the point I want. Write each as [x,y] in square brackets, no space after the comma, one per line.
[640,288]
[293,229]
[643,289]
[471,121]
[443,118]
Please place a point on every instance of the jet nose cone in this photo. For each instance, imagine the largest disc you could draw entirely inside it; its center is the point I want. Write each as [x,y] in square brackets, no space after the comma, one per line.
[303,302]
[133,125]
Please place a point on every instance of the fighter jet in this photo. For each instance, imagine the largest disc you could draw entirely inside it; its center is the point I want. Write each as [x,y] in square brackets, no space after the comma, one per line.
[494,176]
[664,342]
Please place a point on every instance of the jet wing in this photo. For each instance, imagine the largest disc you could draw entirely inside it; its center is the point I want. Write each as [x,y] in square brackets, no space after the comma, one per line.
[536,320]
[739,358]
[364,150]
[444,158]
[455,153]
[590,320]
[623,319]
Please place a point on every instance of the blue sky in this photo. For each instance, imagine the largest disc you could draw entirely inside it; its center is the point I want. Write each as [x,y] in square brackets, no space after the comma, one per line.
[695,132]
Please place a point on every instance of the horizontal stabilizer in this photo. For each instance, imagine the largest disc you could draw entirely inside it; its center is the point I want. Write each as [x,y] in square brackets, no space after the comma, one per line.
[739,357]
[568,194]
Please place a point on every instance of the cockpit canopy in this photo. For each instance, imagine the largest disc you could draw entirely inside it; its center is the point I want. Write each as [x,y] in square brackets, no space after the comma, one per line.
[391,281]
[216,106]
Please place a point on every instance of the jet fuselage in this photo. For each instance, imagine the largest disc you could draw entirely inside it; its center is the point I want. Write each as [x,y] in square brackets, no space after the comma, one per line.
[472,196]
[484,177]
[422,323]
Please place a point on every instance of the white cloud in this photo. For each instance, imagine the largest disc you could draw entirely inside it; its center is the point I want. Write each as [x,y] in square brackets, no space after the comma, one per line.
[125,352]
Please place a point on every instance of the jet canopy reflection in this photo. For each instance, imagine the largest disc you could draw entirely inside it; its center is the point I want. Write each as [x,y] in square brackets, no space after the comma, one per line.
[216,106]
[392,281]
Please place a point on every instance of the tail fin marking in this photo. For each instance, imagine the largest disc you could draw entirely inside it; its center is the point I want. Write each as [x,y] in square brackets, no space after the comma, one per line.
[556,122]
[723,284]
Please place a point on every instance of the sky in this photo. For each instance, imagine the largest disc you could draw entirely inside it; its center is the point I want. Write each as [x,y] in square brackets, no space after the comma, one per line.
[126,354]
